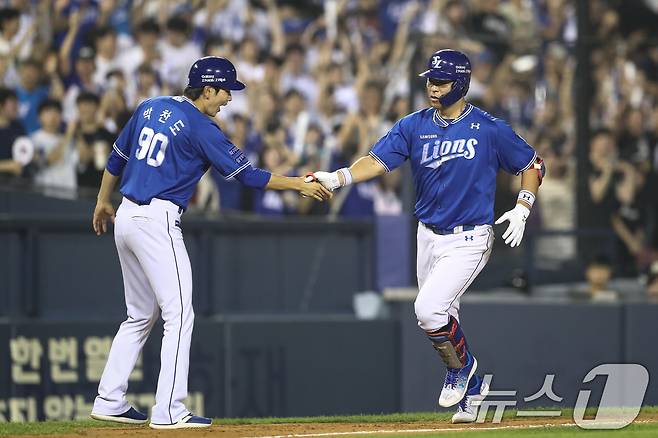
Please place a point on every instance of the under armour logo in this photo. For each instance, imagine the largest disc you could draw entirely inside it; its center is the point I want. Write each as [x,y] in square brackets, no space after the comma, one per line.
[467,238]
[475,126]
[525,196]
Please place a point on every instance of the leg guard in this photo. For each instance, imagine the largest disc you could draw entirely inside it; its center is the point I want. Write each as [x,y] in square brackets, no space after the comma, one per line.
[450,343]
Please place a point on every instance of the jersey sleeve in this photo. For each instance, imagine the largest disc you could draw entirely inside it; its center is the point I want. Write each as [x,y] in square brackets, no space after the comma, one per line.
[515,155]
[393,149]
[223,155]
[121,148]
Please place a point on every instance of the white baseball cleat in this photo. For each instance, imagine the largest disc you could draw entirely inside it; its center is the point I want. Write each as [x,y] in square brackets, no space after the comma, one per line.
[456,382]
[187,422]
[467,412]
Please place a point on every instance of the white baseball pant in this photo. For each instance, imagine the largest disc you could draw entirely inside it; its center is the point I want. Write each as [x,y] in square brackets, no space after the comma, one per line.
[446,267]
[157,278]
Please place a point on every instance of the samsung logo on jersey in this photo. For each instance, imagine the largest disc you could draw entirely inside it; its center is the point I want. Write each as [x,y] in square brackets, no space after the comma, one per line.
[426,136]
[437,153]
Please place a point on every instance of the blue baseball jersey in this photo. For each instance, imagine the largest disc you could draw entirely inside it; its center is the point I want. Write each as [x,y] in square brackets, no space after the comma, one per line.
[454,163]
[167,146]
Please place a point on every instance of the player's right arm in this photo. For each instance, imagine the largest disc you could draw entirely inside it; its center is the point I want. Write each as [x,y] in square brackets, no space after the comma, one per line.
[387,154]
[363,169]
[121,151]
[104,209]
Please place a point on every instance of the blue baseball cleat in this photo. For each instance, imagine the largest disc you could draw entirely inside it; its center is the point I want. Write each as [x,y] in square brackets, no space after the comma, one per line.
[456,382]
[467,410]
[187,422]
[131,416]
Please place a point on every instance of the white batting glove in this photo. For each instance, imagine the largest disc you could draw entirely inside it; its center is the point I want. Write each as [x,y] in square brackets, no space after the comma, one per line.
[329,180]
[516,217]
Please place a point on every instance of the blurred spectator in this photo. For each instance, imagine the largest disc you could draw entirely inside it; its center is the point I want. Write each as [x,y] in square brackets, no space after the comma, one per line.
[629,218]
[178,53]
[145,52]
[145,87]
[14,44]
[113,111]
[227,18]
[233,196]
[251,70]
[264,203]
[92,141]
[295,120]
[55,155]
[276,157]
[386,197]
[598,275]
[634,140]
[362,129]
[107,58]
[10,131]
[359,202]
[31,92]
[280,159]
[80,80]
[295,75]
[604,175]
[489,26]
[333,85]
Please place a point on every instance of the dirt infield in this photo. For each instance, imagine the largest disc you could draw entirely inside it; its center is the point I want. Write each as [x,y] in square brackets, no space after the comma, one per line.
[324,429]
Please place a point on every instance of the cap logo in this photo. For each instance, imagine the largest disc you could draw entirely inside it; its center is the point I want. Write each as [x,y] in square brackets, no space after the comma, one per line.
[436,61]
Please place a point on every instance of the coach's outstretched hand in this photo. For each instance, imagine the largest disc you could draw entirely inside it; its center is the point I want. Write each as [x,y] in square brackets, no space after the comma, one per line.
[516,217]
[102,213]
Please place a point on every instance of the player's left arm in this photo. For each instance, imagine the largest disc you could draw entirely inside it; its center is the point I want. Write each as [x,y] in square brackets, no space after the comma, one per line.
[531,179]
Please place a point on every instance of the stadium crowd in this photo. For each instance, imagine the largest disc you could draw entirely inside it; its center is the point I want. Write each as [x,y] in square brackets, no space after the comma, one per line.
[326,79]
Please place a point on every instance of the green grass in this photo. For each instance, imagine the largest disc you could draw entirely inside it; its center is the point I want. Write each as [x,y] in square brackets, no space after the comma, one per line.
[639,430]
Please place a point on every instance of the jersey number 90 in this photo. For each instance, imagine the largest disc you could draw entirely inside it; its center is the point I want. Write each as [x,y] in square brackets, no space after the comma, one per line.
[148,140]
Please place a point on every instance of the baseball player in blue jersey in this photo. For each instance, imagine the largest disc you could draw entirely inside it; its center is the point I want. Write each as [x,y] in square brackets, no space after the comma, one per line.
[163,151]
[455,151]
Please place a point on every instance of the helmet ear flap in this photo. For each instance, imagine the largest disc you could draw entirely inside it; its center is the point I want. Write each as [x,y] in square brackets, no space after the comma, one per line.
[463,86]
[458,90]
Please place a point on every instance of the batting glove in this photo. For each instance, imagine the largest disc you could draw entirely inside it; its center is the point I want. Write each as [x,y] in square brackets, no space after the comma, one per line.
[516,217]
[329,180]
